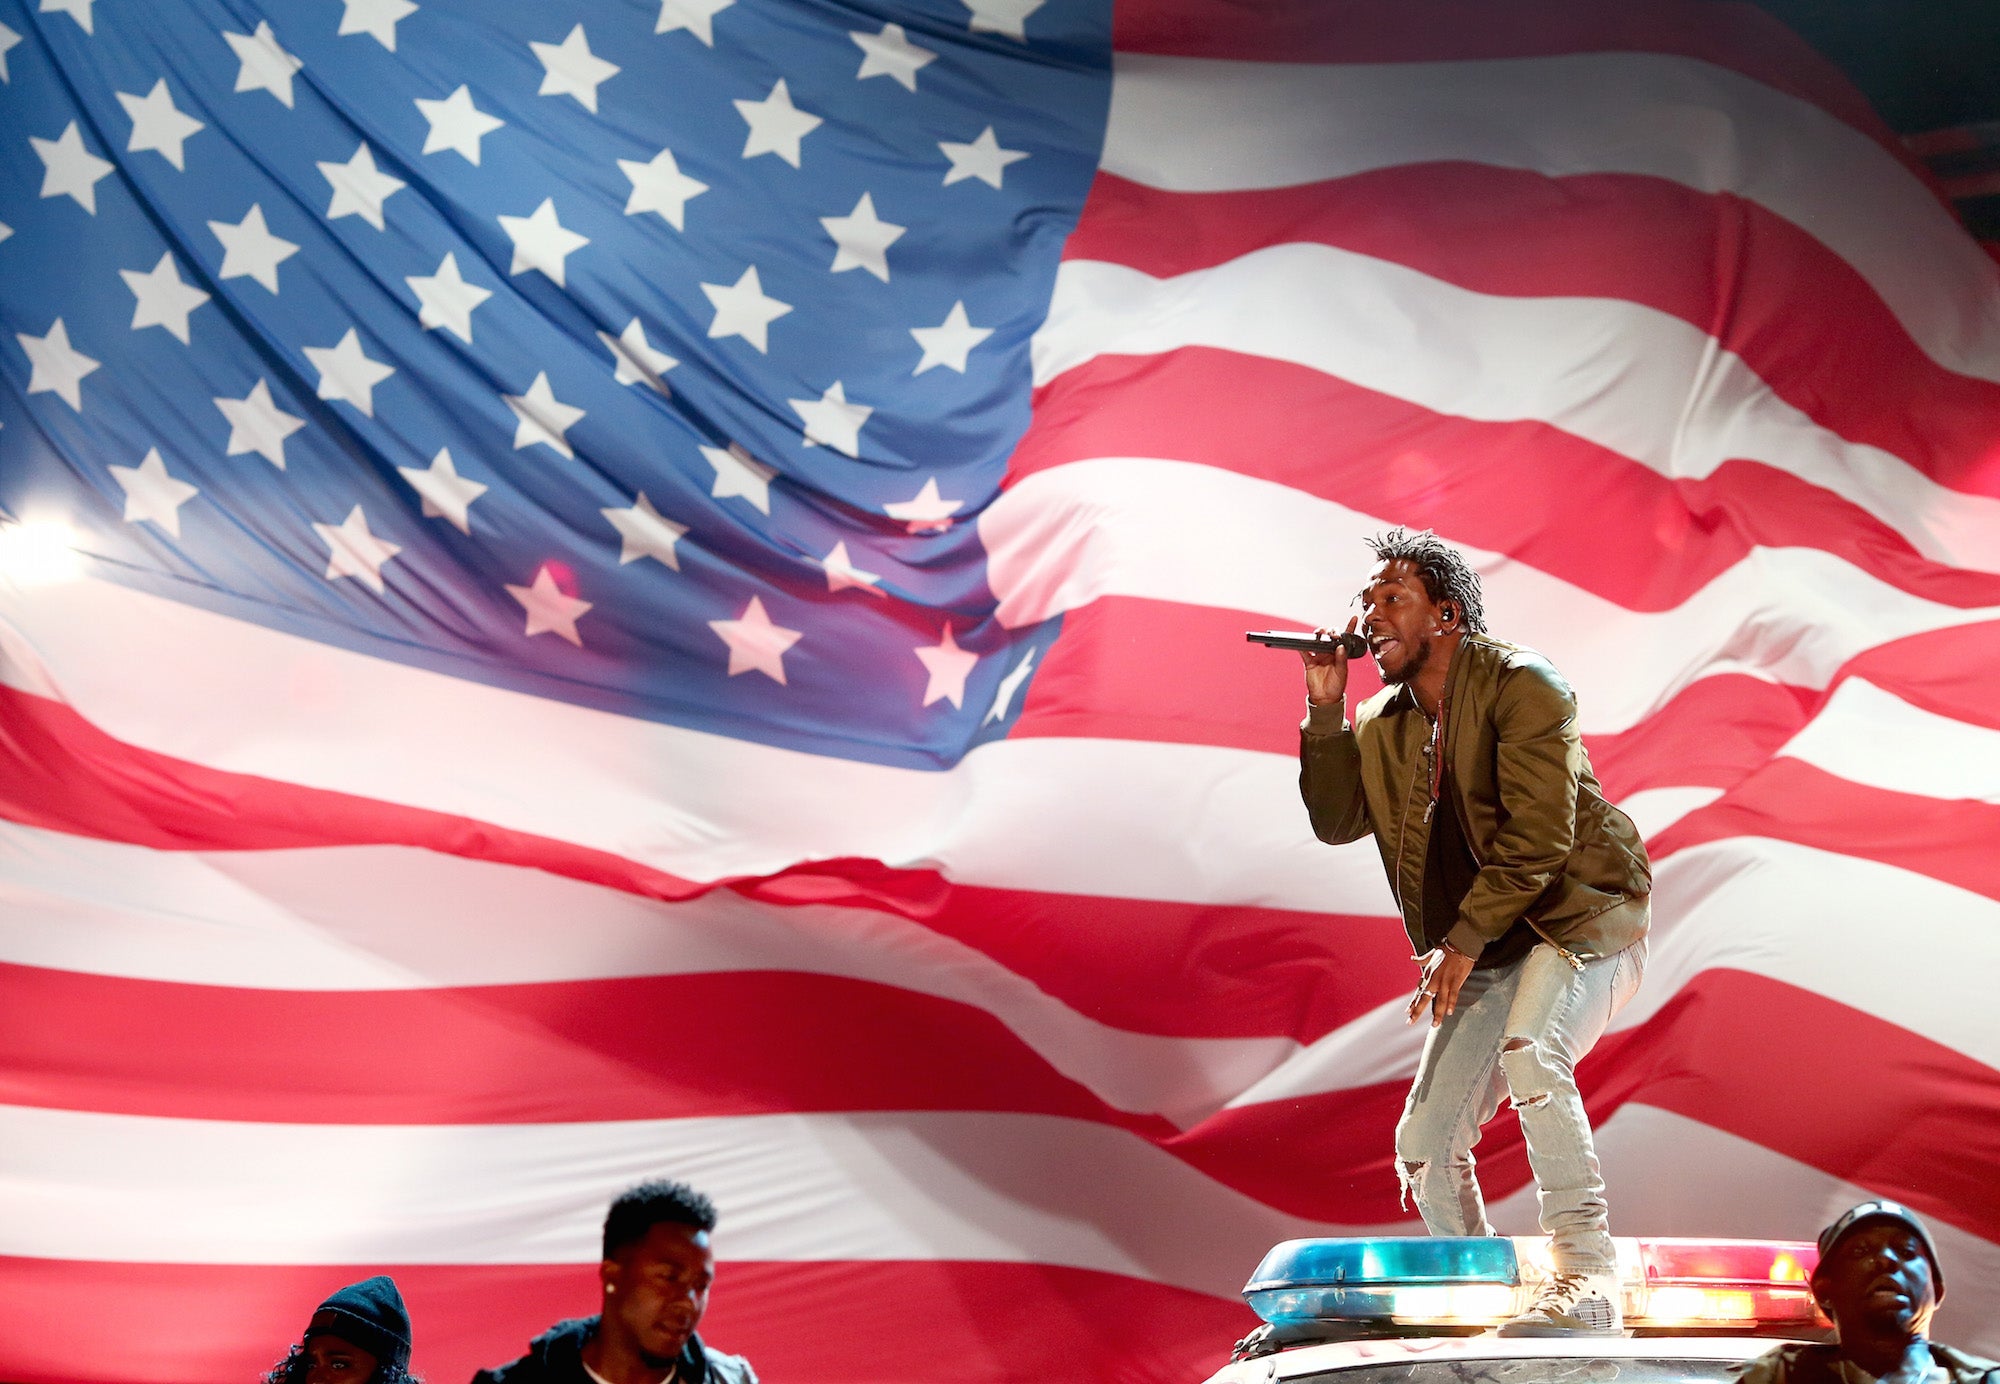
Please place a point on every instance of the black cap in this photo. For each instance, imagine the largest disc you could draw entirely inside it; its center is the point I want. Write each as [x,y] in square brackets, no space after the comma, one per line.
[1856,1216]
[369,1314]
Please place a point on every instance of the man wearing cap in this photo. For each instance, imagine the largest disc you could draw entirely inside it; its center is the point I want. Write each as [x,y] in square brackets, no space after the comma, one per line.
[1878,1281]
[360,1335]
[654,1282]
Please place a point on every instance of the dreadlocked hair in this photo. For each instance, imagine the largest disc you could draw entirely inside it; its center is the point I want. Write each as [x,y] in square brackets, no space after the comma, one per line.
[293,1369]
[1444,572]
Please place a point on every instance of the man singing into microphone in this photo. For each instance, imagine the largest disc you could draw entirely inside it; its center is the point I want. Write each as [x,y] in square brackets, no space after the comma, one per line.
[1523,891]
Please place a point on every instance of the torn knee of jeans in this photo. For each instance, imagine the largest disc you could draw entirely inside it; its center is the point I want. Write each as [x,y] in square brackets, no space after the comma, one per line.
[1408,1170]
[1523,1072]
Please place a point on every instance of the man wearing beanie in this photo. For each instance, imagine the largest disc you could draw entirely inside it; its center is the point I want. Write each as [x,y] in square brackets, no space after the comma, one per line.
[1878,1281]
[653,1284]
[360,1335]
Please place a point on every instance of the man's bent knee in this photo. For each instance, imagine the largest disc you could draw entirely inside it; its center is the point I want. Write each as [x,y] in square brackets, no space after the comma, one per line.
[1531,1081]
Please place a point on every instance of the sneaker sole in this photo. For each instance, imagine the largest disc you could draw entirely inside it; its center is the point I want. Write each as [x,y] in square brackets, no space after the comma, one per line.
[1557,1329]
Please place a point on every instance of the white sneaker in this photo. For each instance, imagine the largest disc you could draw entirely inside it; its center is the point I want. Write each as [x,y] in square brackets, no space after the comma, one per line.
[1572,1304]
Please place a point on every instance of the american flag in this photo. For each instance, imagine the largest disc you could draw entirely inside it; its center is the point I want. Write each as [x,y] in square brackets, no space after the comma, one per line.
[600,589]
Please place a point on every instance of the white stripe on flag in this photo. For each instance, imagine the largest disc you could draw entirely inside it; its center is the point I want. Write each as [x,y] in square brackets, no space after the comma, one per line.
[1198,535]
[1206,125]
[1629,378]
[395,918]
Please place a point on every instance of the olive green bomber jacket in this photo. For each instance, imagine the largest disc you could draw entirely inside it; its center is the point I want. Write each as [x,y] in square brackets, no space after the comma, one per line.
[1549,848]
[1798,1363]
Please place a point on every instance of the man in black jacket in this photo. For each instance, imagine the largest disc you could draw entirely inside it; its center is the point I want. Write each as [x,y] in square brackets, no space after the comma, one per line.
[1878,1281]
[655,1277]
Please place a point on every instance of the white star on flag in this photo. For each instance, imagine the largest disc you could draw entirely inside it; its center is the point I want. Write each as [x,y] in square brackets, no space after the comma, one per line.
[8,41]
[950,342]
[755,643]
[569,68]
[862,239]
[264,66]
[58,368]
[352,551]
[841,573]
[542,417]
[359,187]
[69,169]
[377,19]
[948,666]
[1003,695]
[1009,17]
[660,186]
[742,309]
[550,611]
[346,373]
[832,420]
[541,242]
[446,300]
[696,16]
[776,125]
[636,360]
[456,124]
[249,248]
[151,495]
[891,54]
[644,532]
[926,511]
[740,475]
[163,299]
[159,125]
[256,424]
[983,159]
[79,10]
[446,494]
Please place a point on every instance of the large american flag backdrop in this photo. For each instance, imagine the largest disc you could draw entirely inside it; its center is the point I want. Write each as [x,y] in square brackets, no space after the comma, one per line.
[604,589]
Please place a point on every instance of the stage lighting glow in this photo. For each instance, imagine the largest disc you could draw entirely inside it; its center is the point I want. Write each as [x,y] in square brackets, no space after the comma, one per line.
[38,552]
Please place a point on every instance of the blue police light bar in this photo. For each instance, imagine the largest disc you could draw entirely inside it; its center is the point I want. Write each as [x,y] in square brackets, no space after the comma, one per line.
[1393,1284]
[1405,1278]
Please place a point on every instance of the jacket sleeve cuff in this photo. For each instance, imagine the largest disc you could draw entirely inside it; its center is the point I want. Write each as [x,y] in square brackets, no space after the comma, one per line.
[1324,718]
[1465,940]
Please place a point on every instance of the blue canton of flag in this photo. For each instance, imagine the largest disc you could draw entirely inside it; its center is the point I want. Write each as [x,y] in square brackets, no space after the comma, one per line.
[657,357]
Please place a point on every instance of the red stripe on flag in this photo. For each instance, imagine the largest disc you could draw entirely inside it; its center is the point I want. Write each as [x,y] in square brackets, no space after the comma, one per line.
[1101,679]
[1771,299]
[631,1048]
[1324,1156]
[65,774]
[59,772]
[1900,1097]
[1790,800]
[1600,521]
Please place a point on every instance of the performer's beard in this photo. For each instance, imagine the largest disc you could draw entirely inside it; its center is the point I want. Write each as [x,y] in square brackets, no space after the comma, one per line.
[1412,664]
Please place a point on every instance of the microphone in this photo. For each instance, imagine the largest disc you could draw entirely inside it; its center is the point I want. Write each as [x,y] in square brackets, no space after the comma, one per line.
[1355,645]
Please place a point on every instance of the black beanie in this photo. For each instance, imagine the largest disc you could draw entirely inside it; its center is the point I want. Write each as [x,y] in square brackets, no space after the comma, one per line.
[369,1314]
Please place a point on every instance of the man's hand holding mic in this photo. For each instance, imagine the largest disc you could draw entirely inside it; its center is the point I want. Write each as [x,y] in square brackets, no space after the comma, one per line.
[1326,669]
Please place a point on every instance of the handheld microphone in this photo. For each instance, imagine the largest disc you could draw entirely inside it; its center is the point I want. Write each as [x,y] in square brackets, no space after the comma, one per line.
[1355,645]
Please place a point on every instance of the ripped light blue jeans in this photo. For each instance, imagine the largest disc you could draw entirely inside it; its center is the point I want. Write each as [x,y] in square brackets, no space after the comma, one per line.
[1518,1031]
